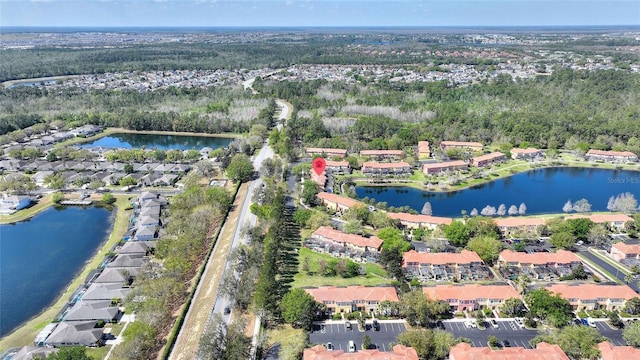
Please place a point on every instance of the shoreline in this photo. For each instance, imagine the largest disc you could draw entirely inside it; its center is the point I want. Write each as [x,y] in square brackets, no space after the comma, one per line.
[8,83]
[27,331]
[44,203]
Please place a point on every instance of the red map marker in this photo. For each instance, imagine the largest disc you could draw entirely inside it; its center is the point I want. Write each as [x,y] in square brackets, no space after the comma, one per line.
[318,165]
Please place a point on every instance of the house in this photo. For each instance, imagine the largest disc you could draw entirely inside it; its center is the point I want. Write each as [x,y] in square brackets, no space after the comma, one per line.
[33,353]
[513,224]
[376,168]
[105,291]
[166,180]
[338,167]
[39,177]
[560,258]
[80,333]
[416,221]
[543,351]
[15,202]
[320,179]
[463,266]
[526,154]
[337,202]
[594,296]
[147,220]
[469,146]
[434,168]
[326,152]
[357,242]
[147,195]
[487,159]
[86,130]
[611,156]
[353,298]
[121,276]
[610,352]
[136,247]
[422,150]
[398,352]
[620,251]
[127,261]
[145,233]
[383,154]
[615,221]
[93,310]
[471,296]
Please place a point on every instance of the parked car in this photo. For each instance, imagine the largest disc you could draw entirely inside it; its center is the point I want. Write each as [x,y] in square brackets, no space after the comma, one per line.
[352,346]
[330,346]
[347,325]
[376,325]
[227,310]
[506,343]
[494,323]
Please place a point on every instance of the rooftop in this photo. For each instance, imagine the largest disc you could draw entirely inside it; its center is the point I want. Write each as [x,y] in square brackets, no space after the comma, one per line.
[461,143]
[400,352]
[470,292]
[352,293]
[610,153]
[542,258]
[593,291]
[378,165]
[381,152]
[464,257]
[339,236]
[337,199]
[543,351]
[610,352]
[426,219]
[627,248]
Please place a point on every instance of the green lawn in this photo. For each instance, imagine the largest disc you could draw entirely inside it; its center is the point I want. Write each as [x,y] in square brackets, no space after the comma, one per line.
[376,275]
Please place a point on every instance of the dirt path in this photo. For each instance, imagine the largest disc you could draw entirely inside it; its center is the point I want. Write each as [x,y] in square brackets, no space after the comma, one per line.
[186,346]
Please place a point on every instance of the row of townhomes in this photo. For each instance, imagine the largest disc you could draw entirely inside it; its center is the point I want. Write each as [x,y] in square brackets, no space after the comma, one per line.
[97,303]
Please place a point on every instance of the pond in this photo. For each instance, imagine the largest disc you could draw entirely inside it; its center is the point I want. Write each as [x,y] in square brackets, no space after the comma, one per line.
[162,142]
[40,257]
[542,191]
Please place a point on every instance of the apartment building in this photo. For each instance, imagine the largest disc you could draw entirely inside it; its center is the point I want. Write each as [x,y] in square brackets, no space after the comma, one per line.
[543,350]
[611,156]
[338,203]
[434,168]
[356,242]
[470,146]
[621,251]
[353,298]
[463,266]
[487,159]
[525,154]
[412,221]
[398,352]
[422,150]
[510,225]
[471,297]
[331,152]
[594,296]
[383,154]
[378,168]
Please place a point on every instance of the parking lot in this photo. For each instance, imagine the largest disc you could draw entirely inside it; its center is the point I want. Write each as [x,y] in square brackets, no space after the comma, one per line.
[507,330]
[614,335]
[337,334]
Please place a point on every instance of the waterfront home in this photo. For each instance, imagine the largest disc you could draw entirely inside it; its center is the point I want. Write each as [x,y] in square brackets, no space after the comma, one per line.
[122,276]
[357,242]
[543,350]
[615,221]
[422,150]
[398,352]
[311,151]
[80,333]
[15,202]
[11,165]
[145,233]
[510,225]
[93,310]
[434,168]
[383,154]
[136,247]
[611,156]
[621,251]
[471,297]
[338,203]
[377,168]
[610,352]
[86,130]
[526,154]
[463,266]
[487,159]
[33,353]
[594,296]
[128,260]
[353,298]
[469,146]
[338,167]
[105,291]
[538,266]
[412,221]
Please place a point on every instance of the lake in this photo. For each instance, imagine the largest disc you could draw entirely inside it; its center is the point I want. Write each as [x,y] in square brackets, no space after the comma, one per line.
[39,258]
[542,190]
[163,142]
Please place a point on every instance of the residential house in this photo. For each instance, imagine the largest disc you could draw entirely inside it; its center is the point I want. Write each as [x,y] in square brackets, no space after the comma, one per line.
[487,159]
[320,179]
[422,150]
[357,242]
[337,202]
[621,251]
[434,168]
[465,265]
[33,353]
[136,247]
[338,167]
[398,352]
[145,233]
[615,221]
[105,291]
[81,333]
[412,221]
[469,146]
[122,276]
[537,266]
[471,297]
[594,296]
[526,154]
[330,152]
[611,156]
[353,298]
[128,260]
[383,154]
[93,310]
[543,350]
[15,202]
[86,130]
[377,168]
[610,352]
[510,225]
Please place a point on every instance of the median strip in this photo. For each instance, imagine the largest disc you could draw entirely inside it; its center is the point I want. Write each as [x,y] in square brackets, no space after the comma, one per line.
[600,270]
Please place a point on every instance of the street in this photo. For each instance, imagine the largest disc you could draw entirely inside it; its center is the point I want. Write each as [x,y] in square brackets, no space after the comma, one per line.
[339,336]
[609,268]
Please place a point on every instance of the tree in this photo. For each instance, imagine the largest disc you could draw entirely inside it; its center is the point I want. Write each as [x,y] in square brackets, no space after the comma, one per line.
[128,181]
[513,210]
[502,210]
[240,168]
[309,191]
[298,308]
[522,283]
[598,234]
[128,168]
[568,207]
[625,202]
[562,240]
[631,334]
[486,247]
[522,209]
[614,319]
[488,211]
[632,306]
[550,308]
[582,205]
[493,341]
[366,342]
[429,344]
[457,233]
[578,342]
[483,226]
[514,307]
[579,227]
[58,197]
[107,198]
[55,181]
[480,317]
[70,353]
[426,209]
[474,212]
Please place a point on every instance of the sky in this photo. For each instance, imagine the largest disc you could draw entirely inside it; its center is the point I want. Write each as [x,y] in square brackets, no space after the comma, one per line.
[316,13]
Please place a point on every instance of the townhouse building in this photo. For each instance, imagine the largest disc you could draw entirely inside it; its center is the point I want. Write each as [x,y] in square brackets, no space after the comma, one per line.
[356,242]
[353,298]
[423,151]
[611,156]
[615,221]
[594,296]
[610,352]
[330,152]
[621,251]
[471,297]
[338,203]
[469,146]
[434,168]
[338,167]
[543,350]
[398,352]
[383,154]
[463,266]
[378,168]
[526,154]
[510,225]
[487,159]
[538,266]
[412,221]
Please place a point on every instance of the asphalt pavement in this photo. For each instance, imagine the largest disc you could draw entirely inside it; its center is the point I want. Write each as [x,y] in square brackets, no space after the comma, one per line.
[609,268]
[338,335]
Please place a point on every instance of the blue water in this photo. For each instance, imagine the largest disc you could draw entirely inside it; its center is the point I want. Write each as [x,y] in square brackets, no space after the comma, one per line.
[40,257]
[163,142]
[542,190]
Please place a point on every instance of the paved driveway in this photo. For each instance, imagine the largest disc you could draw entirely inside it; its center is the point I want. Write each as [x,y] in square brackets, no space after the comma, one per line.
[506,330]
[337,334]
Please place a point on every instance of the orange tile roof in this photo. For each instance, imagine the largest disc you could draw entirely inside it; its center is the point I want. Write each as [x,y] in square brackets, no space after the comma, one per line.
[524,151]
[603,218]
[446,164]
[423,147]
[461,143]
[515,221]
[379,165]
[610,352]
[321,179]
[543,351]
[470,292]
[337,199]
[424,219]
[628,249]
[331,163]
[338,236]
[353,293]
[328,151]
[464,257]
[542,258]
[488,157]
[610,153]
[593,291]
[381,152]
[400,352]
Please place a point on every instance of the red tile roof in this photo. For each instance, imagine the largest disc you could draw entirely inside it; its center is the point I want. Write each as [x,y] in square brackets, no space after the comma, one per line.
[610,153]
[400,352]
[353,293]
[328,151]
[470,292]
[446,164]
[422,219]
[542,258]
[524,151]
[628,249]
[593,291]
[487,157]
[543,351]
[464,257]
[379,165]
[515,221]
[337,199]
[610,352]
[603,218]
[331,163]
[461,144]
[423,147]
[382,153]
[338,236]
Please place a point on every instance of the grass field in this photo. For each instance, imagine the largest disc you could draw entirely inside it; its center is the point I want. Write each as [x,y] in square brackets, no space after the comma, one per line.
[292,341]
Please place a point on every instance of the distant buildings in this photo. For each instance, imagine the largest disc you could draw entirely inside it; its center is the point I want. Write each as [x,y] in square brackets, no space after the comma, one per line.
[616,221]
[383,154]
[487,159]
[525,154]
[434,168]
[415,221]
[611,156]
[594,296]
[311,151]
[513,224]
[422,150]
[377,168]
[468,146]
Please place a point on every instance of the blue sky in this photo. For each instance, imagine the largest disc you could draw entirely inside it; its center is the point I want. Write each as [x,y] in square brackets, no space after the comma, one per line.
[282,13]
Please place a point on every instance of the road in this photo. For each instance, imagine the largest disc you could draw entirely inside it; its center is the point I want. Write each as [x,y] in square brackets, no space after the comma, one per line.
[609,268]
